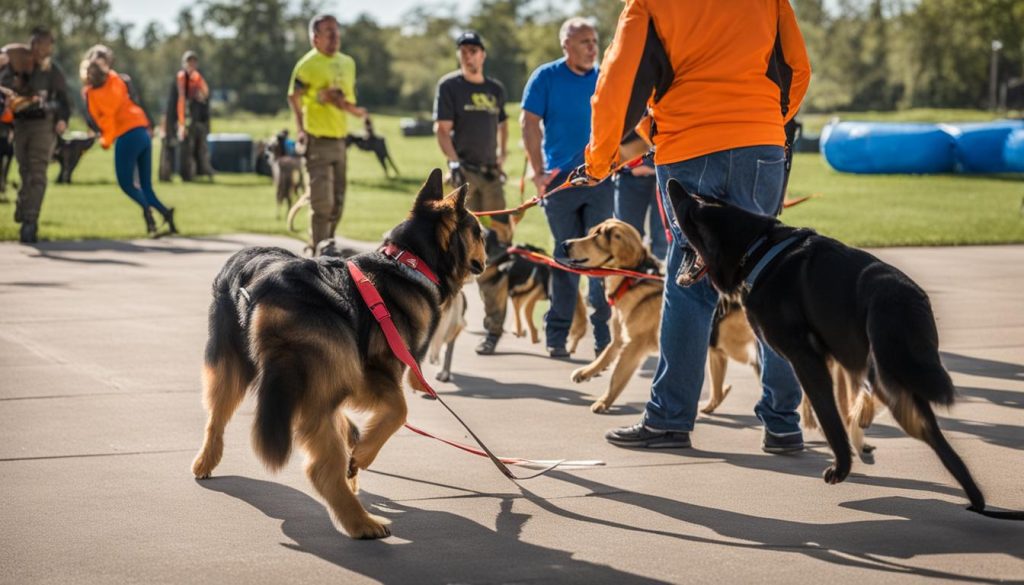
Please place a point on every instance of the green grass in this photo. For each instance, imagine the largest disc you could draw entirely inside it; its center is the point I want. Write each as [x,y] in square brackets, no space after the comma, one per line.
[860,210]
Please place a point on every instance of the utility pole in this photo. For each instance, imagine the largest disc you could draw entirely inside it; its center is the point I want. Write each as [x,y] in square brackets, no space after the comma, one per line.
[993,75]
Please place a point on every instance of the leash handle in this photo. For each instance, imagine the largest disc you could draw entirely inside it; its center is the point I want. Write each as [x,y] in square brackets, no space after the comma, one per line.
[371,296]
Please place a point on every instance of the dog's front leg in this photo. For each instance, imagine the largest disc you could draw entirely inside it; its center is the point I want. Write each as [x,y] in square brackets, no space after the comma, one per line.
[816,380]
[718,362]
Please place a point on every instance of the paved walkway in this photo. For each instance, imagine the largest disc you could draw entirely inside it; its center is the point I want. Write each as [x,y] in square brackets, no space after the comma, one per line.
[100,417]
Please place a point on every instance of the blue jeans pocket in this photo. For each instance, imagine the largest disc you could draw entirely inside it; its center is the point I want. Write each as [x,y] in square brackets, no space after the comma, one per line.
[768,183]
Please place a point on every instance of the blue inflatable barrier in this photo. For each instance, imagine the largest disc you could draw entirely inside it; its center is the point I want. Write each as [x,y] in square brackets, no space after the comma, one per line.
[1013,152]
[878,148]
[979,147]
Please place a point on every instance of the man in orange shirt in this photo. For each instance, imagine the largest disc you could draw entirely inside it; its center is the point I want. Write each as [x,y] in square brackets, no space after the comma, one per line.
[720,81]
[193,108]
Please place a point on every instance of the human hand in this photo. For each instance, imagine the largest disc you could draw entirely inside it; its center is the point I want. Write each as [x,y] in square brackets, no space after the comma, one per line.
[60,127]
[580,177]
[359,112]
[541,180]
[643,171]
[181,133]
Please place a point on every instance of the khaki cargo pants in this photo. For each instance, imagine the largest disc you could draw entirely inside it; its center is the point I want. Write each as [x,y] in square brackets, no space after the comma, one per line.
[325,167]
[488,195]
[34,141]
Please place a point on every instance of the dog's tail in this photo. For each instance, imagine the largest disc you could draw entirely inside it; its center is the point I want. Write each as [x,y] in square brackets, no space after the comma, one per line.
[279,386]
[906,368]
[294,211]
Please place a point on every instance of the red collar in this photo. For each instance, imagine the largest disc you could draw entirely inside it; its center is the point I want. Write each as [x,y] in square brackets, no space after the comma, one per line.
[621,290]
[411,260]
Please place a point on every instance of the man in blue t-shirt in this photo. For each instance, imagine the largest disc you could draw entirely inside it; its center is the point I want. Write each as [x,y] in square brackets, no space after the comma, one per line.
[558,95]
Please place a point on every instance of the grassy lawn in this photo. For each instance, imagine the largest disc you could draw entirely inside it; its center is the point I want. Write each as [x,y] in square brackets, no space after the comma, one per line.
[860,210]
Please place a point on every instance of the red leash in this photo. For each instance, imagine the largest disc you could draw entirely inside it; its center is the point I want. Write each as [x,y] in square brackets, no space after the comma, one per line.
[380,312]
[595,272]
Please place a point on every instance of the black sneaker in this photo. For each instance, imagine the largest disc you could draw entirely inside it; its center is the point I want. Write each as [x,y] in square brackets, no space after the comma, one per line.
[639,436]
[789,443]
[488,345]
[558,352]
[169,221]
[147,216]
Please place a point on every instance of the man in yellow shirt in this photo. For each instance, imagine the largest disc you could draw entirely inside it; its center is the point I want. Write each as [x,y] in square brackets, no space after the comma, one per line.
[322,93]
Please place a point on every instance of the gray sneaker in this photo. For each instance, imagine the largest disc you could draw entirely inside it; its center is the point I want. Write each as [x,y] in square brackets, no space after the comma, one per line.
[639,436]
[777,444]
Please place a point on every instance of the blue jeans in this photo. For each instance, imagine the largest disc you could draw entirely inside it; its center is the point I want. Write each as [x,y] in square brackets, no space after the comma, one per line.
[636,198]
[750,178]
[133,161]
[570,214]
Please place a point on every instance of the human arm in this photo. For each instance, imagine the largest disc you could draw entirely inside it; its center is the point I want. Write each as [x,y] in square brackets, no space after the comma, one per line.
[181,81]
[533,136]
[794,57]
[61,103]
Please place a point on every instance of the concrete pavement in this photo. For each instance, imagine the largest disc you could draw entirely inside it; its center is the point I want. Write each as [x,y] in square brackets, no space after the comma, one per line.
[100,416]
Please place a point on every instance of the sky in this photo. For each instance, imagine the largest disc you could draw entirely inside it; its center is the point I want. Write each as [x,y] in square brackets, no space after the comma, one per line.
[166,11]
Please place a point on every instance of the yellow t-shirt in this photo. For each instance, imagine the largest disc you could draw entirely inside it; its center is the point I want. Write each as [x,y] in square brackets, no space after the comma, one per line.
[316,72]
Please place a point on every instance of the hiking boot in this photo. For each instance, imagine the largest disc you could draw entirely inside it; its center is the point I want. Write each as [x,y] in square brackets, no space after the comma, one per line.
[787,443]
[487,346]
[169,220]
[639,436]
[29,232]
[558,352]
[147,214]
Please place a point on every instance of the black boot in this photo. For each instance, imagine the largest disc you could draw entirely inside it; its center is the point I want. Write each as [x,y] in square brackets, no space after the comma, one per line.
[147,214]
[29,232]
[169,220]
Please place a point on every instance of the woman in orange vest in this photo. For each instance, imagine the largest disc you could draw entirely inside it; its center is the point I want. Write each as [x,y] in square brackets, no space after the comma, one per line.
[123,122]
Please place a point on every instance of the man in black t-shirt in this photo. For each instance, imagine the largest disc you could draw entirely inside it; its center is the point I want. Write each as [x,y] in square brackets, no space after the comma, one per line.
[471,128]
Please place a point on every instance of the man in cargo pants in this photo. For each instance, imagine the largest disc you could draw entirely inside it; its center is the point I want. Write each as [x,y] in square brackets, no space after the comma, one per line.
[321,95]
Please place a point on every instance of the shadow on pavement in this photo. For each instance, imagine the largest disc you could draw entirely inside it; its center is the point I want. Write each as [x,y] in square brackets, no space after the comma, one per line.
[442,547]
[918,528]
[477,387]
[972,366]
[1007,398]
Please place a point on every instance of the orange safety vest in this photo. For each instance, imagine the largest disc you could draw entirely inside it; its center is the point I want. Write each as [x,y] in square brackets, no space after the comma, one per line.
[113,110]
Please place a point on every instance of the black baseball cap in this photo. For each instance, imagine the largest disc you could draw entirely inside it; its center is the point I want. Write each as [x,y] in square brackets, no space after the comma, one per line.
[470,38]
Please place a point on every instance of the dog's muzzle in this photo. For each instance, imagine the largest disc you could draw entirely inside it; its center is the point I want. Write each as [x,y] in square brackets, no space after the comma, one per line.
[692,268]
[476,267]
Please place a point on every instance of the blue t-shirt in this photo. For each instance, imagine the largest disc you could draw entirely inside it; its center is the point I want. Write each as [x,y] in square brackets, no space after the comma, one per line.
[562,99]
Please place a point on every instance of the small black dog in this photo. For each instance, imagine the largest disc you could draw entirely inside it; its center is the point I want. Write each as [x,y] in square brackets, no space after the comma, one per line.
[68,153]
[375,144]
[814,299]
[6,156]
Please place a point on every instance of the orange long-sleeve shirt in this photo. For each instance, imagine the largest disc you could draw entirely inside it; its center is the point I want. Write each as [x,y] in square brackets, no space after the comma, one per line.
[190,85]
[113,109]
[715,75]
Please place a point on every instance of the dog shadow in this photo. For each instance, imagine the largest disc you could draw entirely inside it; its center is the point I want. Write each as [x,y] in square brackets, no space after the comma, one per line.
[973,366]
[913,528]
[57,250]
[1007,398]
[477,387]
[435,547]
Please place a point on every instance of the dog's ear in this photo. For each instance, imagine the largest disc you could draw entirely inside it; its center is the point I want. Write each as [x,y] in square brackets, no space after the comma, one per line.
[457,198]
[432,190]
[681,199]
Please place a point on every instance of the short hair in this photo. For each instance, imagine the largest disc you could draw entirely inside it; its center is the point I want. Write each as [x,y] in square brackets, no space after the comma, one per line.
[316,21]
[571,25]
[40,33]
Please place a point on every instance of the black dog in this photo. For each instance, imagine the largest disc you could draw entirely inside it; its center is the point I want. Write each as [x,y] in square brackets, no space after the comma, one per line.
[6,156]
[814,299]
[375,144]
[68,153]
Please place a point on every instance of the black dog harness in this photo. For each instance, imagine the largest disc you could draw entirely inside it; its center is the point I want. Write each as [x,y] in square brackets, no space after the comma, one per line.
[766,258]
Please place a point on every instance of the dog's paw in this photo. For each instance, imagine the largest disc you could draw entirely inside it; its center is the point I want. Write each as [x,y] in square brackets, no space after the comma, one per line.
[866,448]
[599,407]
[580,375]
[444,376]
[368,528]
[203,466]
[833,475]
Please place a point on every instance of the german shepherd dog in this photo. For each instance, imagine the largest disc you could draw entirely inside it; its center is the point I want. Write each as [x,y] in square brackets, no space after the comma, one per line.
[68,153]
[297,333]
[530,283]
[814,299]
[286,170]
[636,314]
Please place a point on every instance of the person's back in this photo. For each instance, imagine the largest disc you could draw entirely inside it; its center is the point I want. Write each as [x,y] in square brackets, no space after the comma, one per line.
[731,69]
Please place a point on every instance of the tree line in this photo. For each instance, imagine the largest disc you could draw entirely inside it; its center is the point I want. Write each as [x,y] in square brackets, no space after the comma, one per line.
[866,54]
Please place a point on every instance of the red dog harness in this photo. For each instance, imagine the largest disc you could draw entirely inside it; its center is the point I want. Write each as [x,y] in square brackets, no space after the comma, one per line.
[380,312]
